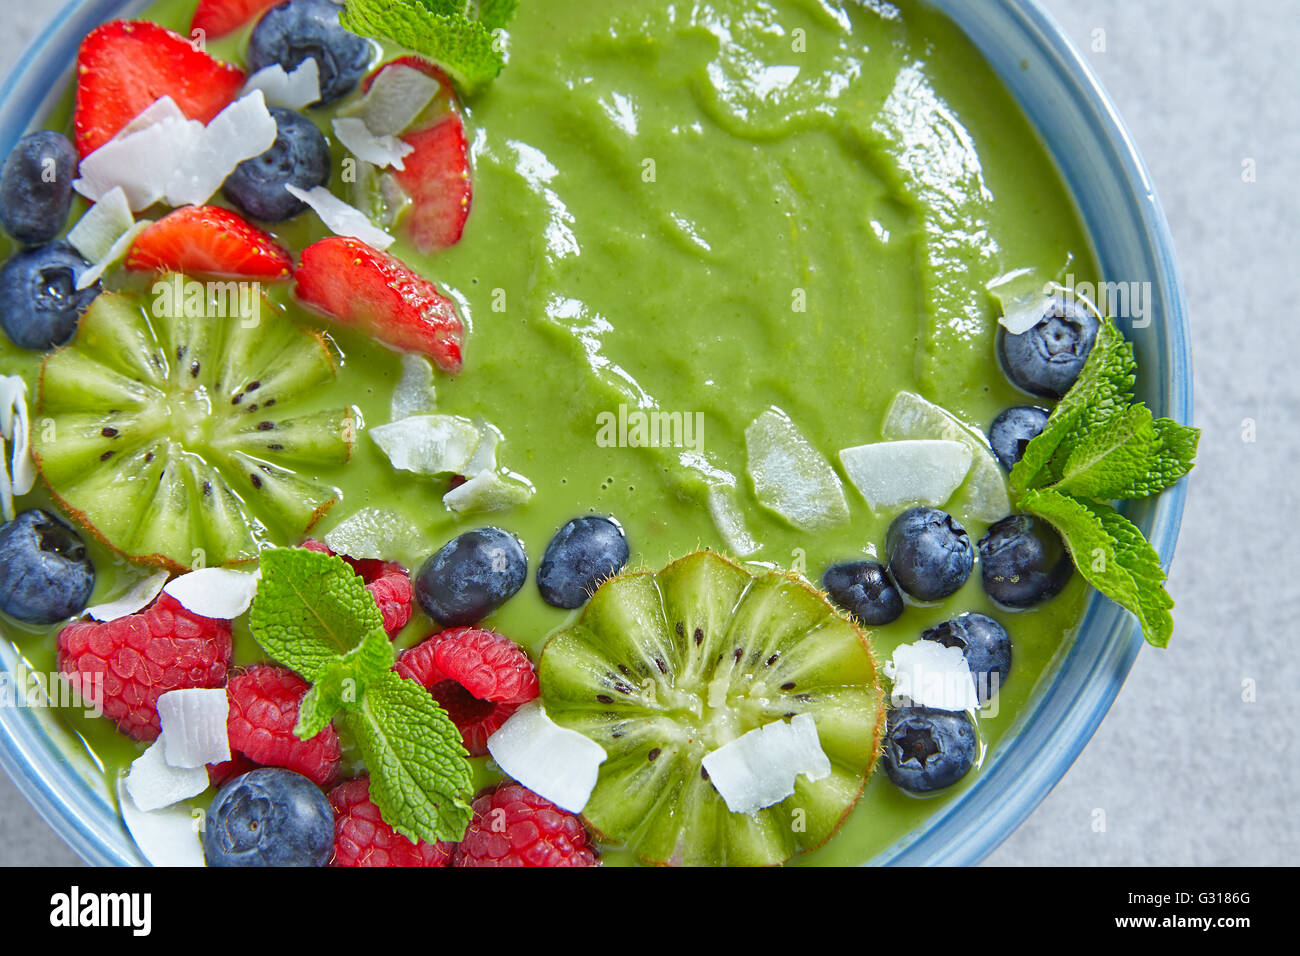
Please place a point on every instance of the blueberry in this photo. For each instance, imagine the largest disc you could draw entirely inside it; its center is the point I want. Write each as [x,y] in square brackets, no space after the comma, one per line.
[269,817]
[1014,429]
[1046,359]
[583,553]
[293,31]
[930,554]
[864,590]
[300,155]
[45,574]
[1023,562]
[471,576]
[984,643]
[39,301]
[36,187]
[927,749]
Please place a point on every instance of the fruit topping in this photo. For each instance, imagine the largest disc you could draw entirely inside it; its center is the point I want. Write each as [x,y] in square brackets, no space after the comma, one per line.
[552,761]
[1023,562]
[40,304]
[930,674]
[436,177]
[471,576]
[1013,430]
[984,643]
[291,32]
[1047,359]
[45,573]
[664,668]
[863,588]
[926,749]
[269,817]
[512,826]
[930,554]
[36,187]
[579,558]
[219,17]
[362,838]
[264,704]
[300,156]
[790,476]
[893,473]
[210,241]
[193,726]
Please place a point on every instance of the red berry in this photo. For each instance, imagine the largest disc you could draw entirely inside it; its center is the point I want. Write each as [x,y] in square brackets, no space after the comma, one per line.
[124,66]
[350,282]
[362,838]
[512,826]
[263,712]
[479,677]
[236,766]
[219,17]
[140,657]
[388,583]
[210,241]
[437,179]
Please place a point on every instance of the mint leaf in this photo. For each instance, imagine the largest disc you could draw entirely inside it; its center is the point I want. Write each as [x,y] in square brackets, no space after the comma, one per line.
[493,14]
[1129,455]
[1104,387]
[343,681]
[310,608]
[419,777]
[465,48]
[1111,554]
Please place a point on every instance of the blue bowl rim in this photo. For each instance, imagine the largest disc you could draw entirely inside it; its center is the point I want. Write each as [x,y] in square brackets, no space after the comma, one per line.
[953,837]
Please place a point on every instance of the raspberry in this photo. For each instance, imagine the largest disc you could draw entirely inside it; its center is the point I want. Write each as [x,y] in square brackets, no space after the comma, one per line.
[387,581]
[144,655]
[512,826]
[362,838]
[263,711]
[479,677]
[220,774]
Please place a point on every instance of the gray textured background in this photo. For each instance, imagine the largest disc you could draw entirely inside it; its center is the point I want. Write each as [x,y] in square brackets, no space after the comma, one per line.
[1184,770]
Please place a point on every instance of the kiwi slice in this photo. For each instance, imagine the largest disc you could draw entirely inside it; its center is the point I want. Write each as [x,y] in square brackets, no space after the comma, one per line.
[664,667]
[179,440]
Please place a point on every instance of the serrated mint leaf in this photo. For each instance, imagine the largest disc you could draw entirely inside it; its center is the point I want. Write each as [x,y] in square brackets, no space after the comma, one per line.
[493,14]
[419,776]
[465,48]
[1104,387]
[310,608]
[1118,454]
[342,681]
[1111,554]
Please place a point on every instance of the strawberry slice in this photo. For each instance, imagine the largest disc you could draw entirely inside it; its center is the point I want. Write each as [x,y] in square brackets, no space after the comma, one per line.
[437,179]
[219,17]
[354,284]
[209,240]
[123,66]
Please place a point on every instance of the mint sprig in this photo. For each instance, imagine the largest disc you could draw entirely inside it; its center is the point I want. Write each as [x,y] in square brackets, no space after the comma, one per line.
[456,35]
[1100,446]
[314,615]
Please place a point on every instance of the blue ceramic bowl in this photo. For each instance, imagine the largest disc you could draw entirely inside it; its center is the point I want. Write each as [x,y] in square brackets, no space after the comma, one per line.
[1117,201]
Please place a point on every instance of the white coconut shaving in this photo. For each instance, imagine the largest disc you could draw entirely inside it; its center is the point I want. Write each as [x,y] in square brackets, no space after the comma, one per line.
[372,534]
[340,218]
[193,722]
[116,252]
[102,225]
[215,592]
[136,598]
[141,163]
[290,90]
[165,837]
[17,471]
[153,783]
[485,455]
[381,151]
[724,507]
[241,131]
[893,473]
[558,763]
[414,393]
[931,675]
[428,444]
[759,769]
[790,476]
[489,491]
[397,96]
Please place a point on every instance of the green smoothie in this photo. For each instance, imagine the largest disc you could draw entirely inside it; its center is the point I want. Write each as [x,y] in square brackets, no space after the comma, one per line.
[708,208]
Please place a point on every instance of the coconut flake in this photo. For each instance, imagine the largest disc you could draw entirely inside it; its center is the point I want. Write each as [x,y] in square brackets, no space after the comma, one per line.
[167,837]
[790,476]
[115,253]
[382,151]
[193,722]
[724,506]
[17,472]
[141,163]
[489,491]
[291,90]
[161,110]
[153,783]
[138,597]
[759,769]
[397,96]
[102,225]
[414,394]
[558,763]
[340,218]
[241,131]
[931,675]
[428,444]
[892,473]
[372,534]
[485,455]
[218,593]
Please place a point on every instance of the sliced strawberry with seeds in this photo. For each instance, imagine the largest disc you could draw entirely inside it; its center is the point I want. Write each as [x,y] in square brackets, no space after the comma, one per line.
[124,66]
[210,241]
[219,17]
[354,284]
[437,178]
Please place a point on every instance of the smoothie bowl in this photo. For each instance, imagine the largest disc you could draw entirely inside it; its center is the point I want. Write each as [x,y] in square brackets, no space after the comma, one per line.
[685,434]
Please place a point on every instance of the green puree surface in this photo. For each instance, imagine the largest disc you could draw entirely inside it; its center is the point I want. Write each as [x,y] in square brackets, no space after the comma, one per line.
[713,207]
